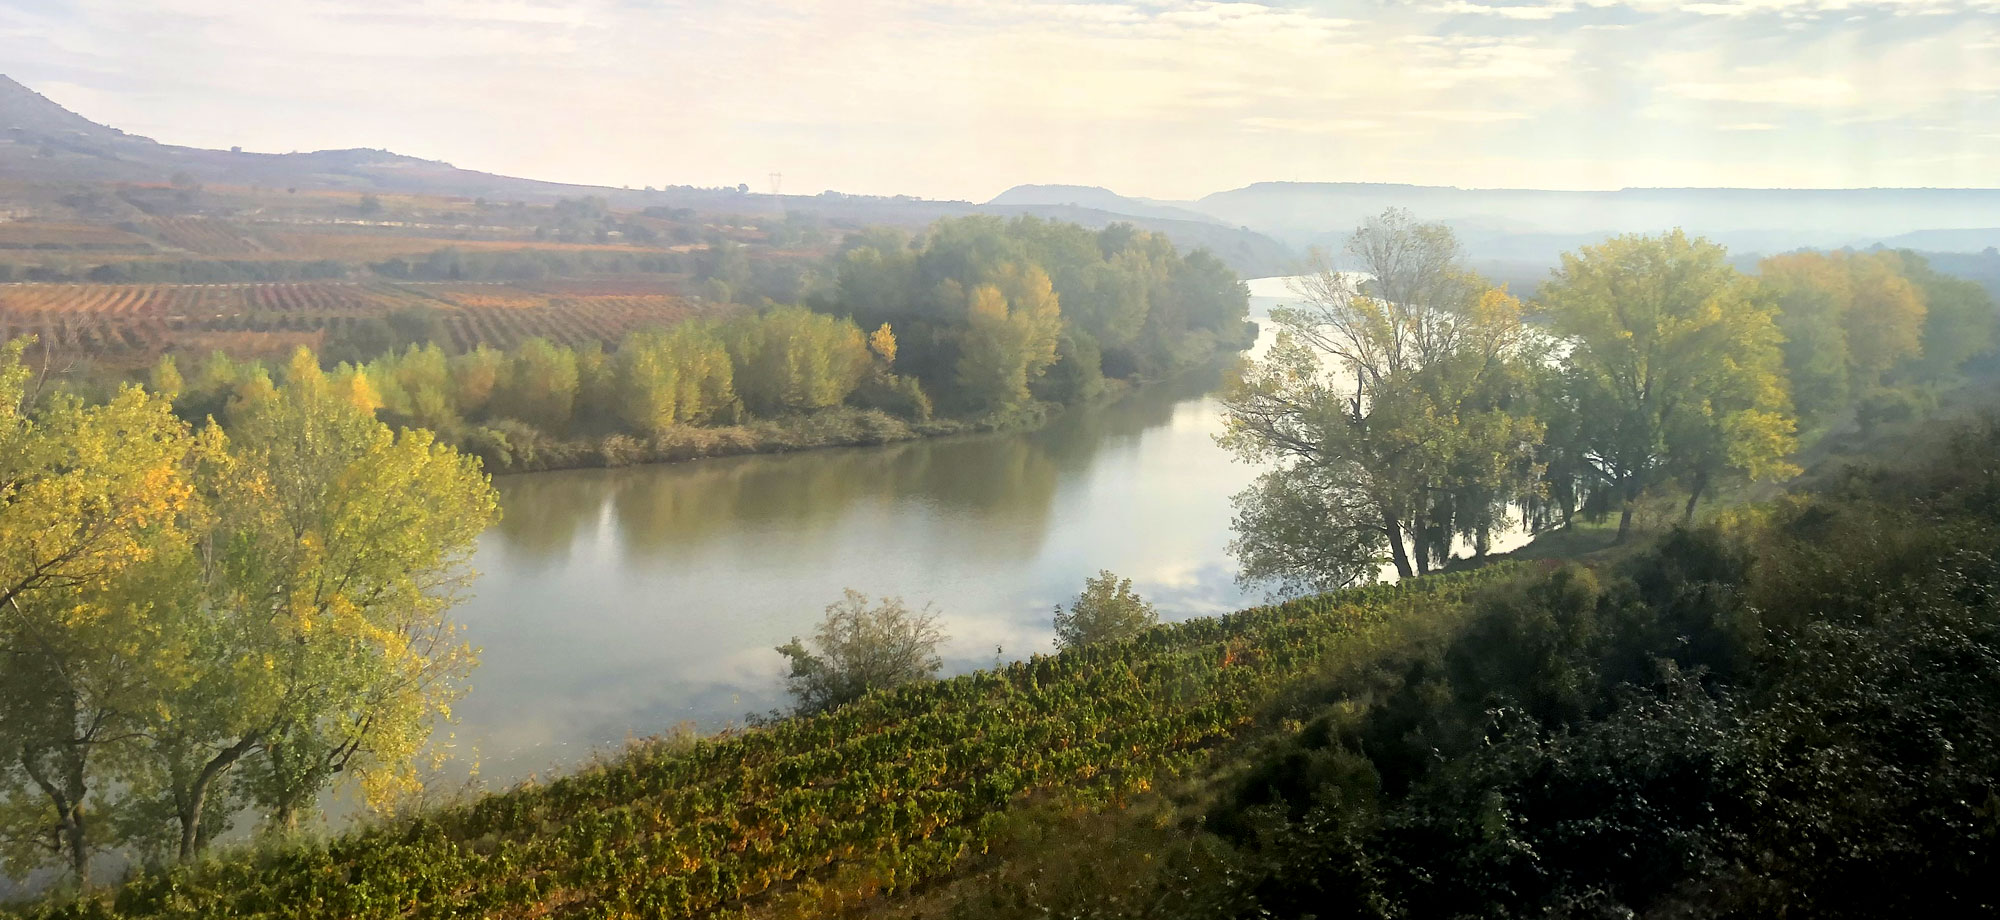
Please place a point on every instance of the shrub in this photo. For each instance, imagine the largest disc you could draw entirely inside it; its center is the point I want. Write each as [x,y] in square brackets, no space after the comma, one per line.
[1106,610]
[859,649]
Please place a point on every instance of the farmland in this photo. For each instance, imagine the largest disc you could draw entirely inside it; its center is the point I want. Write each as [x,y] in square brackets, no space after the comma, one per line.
[132,324]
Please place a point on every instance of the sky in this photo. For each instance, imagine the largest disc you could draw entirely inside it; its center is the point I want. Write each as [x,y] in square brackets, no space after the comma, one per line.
[961,99]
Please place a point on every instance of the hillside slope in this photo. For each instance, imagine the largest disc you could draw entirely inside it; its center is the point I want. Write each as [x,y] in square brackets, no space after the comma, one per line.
[807,815]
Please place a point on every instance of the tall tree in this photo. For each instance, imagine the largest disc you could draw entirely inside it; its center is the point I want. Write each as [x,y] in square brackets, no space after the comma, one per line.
[1959,318]
[1847,318]
[1390,399]
[1677,364]
[318,645]
[91,495]
[539,386]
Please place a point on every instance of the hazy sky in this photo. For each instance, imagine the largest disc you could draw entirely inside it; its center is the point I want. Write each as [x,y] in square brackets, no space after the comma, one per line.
[963,98]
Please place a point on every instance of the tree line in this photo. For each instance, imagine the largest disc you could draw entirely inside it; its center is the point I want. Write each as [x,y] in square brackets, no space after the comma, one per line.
[980,320]
[1411,406]
[196,623]
[505,405]
[993,315]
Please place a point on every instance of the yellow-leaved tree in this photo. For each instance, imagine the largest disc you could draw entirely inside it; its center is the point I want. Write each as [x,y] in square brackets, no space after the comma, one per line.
[91,498]
[1013,325]
[1675,364]
[1848,319]
[316,644]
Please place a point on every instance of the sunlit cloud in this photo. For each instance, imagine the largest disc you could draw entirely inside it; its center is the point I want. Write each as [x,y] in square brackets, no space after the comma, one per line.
[962,98]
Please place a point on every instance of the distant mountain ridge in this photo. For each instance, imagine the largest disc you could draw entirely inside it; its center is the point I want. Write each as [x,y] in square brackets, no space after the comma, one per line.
[1532,226]
[1258,228]
[1317,213]
[43,143]
[1095,198]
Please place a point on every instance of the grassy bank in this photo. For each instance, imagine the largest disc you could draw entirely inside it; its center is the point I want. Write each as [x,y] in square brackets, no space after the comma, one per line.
[845,426]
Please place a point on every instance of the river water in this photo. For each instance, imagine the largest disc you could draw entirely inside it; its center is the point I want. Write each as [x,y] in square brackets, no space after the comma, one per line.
[618,603]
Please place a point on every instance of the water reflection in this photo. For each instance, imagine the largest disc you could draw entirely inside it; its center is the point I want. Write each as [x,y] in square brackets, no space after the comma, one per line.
[620,602]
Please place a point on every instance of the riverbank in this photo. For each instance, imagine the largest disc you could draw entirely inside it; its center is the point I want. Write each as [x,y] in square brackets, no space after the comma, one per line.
[843,426]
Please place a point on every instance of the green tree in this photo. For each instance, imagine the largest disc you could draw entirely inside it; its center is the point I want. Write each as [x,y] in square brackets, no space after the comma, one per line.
[678,376]
[1959,318]
[1010,338]
[1848,319]
[318,644]
[1401,399]
[791,359]
[1677,362]
[165,380]
[475,376]
[1106,611]
[539,386]
[93,495]
[858,649]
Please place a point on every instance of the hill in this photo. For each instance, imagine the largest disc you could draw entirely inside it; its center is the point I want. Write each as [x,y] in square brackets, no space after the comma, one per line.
[1516,224]
[1096,199]
[47,150]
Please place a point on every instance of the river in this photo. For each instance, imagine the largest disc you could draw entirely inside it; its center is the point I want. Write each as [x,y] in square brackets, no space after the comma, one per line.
[619,603]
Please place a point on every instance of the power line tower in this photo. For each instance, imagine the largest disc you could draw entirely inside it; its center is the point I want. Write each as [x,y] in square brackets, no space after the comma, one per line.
[777,182]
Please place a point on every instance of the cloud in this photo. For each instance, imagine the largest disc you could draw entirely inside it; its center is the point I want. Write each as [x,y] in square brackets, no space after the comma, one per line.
[1527,11]
[960,98]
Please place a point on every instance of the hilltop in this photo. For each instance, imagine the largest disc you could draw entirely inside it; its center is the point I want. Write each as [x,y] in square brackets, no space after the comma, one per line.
[1095,198]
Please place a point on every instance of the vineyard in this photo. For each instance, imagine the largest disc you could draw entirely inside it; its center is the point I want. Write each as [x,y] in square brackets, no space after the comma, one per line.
[44,235]
[132,324]
[205,236]
[880,795]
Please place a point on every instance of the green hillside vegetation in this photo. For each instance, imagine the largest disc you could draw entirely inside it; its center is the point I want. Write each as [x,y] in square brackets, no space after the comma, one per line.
[813,813]
[1759,713]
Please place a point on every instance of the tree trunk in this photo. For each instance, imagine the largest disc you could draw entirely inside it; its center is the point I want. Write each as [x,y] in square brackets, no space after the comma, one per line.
[1626,499]
[1396,551]
[78,843]
[68,803]
[1423,548]
[191,802]
[1700,486]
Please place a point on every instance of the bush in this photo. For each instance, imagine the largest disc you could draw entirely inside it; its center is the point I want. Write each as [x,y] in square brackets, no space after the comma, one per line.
[859,649]
[1107,610]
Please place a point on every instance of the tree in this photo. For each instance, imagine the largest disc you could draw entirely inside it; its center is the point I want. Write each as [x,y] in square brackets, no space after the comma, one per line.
[1677,366]
[794,360]
[93,494]
[317,645]
[1010,338]
[1959,318]
[1106,611]
[858,649]
[539,386]
[1848,319]
[165,380]
[1401,402]
[882,342]
[475,376]
[678,376]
